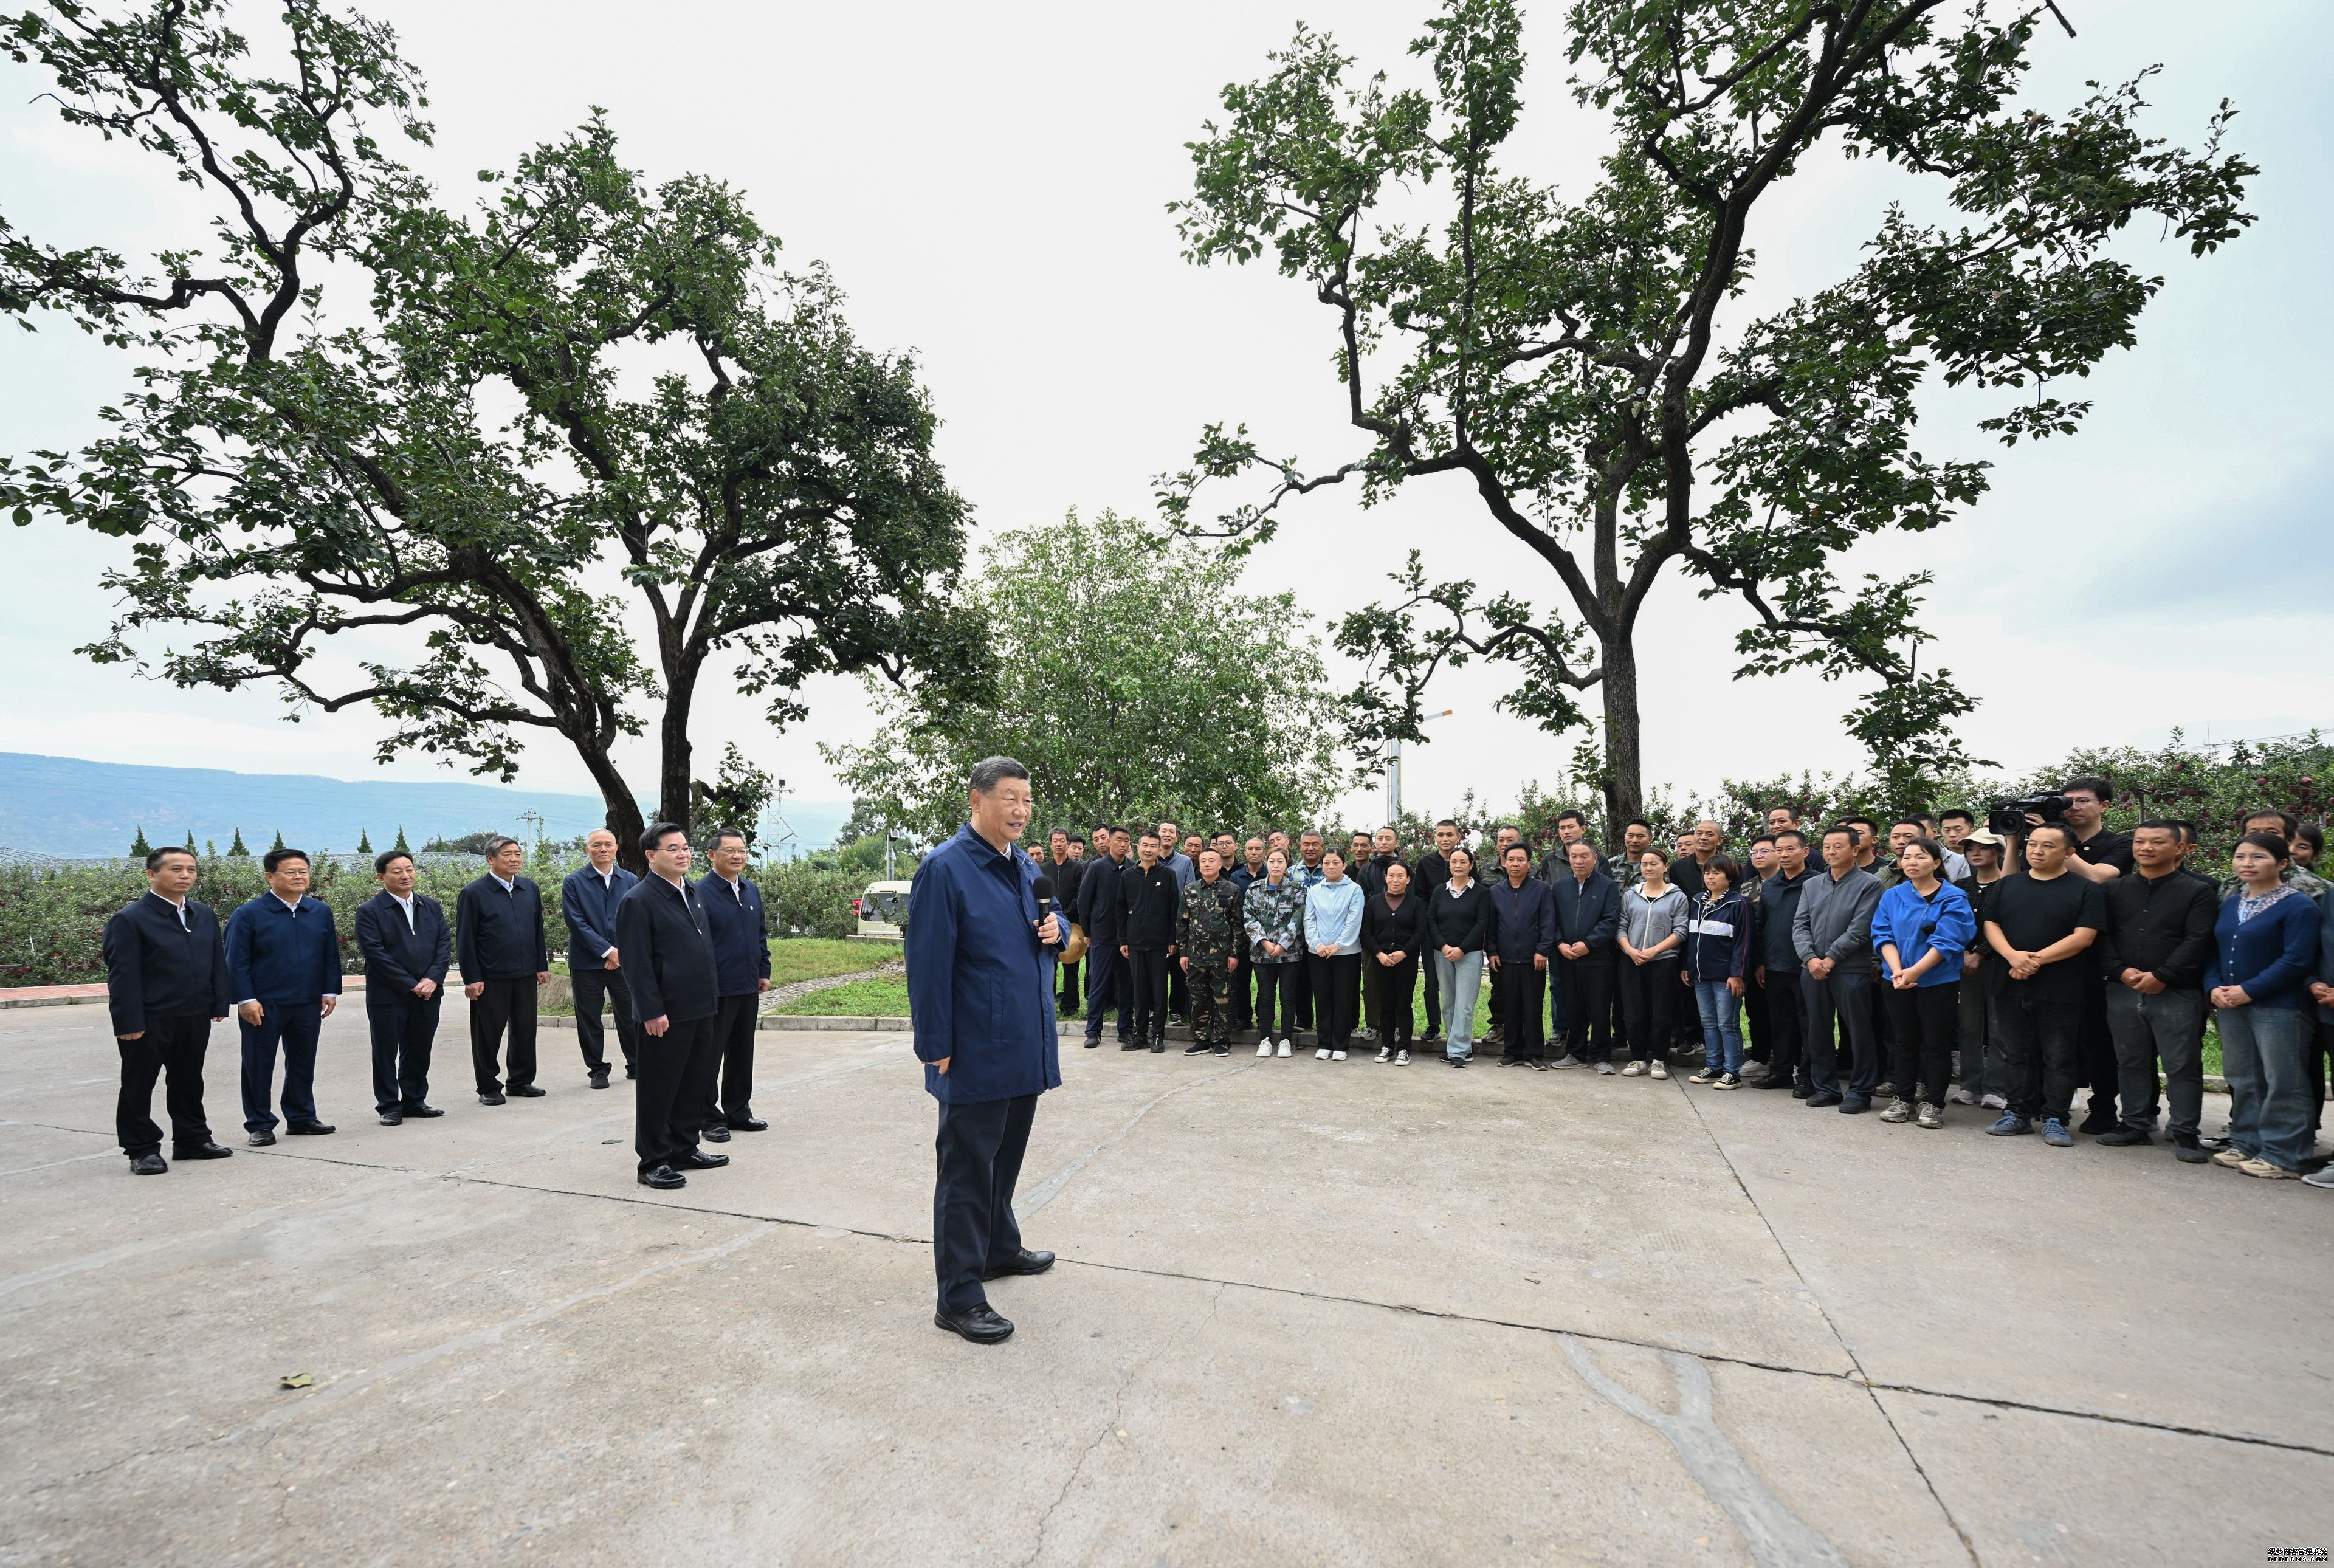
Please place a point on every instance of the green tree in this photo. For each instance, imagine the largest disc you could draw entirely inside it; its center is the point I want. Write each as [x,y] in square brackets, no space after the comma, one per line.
[237,848]
[401,847]
[735,799]
[447,453]
[1198,701]
[364,842]
[1592,368]
[279,840]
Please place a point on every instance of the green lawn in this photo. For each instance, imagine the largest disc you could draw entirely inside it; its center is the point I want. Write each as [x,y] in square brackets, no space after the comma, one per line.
[796,958]
[883,998]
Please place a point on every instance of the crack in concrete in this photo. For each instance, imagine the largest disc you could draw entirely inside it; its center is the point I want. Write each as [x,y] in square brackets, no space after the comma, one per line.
[1046,1191]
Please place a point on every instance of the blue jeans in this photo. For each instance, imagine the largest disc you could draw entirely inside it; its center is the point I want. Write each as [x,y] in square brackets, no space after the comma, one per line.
[1722,1025]
[2265,1056]
[1458,979]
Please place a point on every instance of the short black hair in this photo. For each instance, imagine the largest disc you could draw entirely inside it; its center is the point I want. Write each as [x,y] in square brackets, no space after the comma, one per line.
[1930,847]
[1447,822]
[275,858]
[2274,842]
[1150,834]
[2066,834]
[1847,828]
[1077,837]
[657,832]
[1793,833]
[1726,866]
[1863,823]
[1063,832]
[1113,830]
[2172,825]
[1518,848]
[1908,822]
[1950,813]
[380,863]
[713,839]
[1764,838]
[1590,845]
[499,842]
[1638,822]
[1571,814]
[1334,850]
[2091,782]
[2286,820]
[2313,835]
[991,771]
[154,858]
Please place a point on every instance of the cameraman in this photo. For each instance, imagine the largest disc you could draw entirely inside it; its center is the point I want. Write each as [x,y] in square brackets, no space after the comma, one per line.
[2038,920]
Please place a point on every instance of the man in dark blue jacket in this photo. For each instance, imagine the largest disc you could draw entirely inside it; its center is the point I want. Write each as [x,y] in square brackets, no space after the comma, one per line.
[405,946]
[980,980]
[667,938]
[741,960]
[588,899]
[284,970]
[499,923]
[1104,916]
[1588,923]
[166,985]
[1523,941]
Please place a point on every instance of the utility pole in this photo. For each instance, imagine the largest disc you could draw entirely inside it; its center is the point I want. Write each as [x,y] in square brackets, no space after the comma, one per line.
[1394,770]
[533,820]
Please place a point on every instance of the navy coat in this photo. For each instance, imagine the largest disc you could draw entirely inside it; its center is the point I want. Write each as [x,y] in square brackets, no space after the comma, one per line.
[398,956]
[276,955]
[589,905]
[741,934]
[1523,919]
[980,986]
[1588,912]
[501,933]
[667,944]
[156,968]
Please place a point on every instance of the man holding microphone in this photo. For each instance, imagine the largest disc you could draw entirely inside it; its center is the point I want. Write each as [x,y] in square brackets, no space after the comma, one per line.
[982,937]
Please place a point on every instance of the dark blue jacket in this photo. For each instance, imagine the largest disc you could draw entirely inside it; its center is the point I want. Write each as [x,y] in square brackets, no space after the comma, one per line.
[1523,919]
[398,956]
[2273,955]
[980,986]
[156,968]
[274,955]
[1719,934]
[501,933]
[1588,912]
[667,944]
[1099,910]
[741,934]
[589,905]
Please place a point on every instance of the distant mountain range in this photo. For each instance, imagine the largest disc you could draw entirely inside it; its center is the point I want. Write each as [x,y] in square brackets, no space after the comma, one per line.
[62,805]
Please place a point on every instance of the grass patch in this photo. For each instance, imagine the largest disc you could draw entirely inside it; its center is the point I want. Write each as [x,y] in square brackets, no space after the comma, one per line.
[796,958]
[883,998]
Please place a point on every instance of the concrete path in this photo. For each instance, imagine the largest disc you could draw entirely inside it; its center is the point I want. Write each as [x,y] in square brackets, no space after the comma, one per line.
[1347,1315]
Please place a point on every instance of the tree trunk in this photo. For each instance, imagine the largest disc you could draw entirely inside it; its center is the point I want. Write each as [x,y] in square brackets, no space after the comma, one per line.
[673,792]
[625,818]
[1625,791]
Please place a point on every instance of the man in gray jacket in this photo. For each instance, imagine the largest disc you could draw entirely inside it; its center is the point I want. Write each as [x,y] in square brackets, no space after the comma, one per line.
[1832,933]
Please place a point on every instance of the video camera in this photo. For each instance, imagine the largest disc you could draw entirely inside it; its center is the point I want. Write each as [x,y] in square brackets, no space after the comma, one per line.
[2008,817]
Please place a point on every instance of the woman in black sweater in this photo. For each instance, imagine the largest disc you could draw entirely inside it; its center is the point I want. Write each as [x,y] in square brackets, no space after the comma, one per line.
[1457,929]
[1393,932]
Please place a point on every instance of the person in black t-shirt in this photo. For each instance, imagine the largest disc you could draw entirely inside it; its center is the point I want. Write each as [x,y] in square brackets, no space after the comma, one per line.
[2039,922]
[2100,855]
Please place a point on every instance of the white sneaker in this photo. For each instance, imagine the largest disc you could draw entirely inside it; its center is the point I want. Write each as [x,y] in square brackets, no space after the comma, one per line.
[1337,1055]
[1284,1046]
[1996,1101]
[1384,1054]
[1660,1070]
[1264,1047]
[1634,1070]
[1402,1058]
[1322,1054]
[1962,1097]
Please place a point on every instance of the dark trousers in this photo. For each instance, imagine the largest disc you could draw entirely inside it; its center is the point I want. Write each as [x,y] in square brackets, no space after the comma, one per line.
[2039,1053]
[733,1044]
[1650,995]
[1068,994]
[403,1030]
[1106,989]
[675,1074]
[1276,999]
[1179,996]
[1336,997]
[504,1003]
[1787,1024]
[1301,987]
[1754,1010]
[2094,1051]
[1395,984]
[592,988]
[294,1027]
[1923,1024]
[1586,992]
[1843,1002]
[1517,989]
[1434,1001]
[1243,977]
[980,1150]
[1146,989]
[172,1047]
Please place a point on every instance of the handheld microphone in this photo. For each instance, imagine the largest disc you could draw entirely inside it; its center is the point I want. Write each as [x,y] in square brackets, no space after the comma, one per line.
[1044,888]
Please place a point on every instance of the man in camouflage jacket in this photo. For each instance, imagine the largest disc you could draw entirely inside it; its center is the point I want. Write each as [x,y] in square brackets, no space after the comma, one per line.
[1207,937]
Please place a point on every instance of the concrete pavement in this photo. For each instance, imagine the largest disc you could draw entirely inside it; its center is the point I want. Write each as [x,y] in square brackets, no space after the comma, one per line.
[1305,1312]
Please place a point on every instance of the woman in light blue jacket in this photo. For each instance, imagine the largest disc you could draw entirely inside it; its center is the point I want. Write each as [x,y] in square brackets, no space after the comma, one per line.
[1333,948]
[1921,929]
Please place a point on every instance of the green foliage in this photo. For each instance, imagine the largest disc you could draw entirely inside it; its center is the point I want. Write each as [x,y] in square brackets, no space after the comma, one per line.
[139,848]
[1588,367]
[1100,632]
[472,843]
[237,848]
[364,842]
[734,799]
[811,896]
[279,840]
[401,846]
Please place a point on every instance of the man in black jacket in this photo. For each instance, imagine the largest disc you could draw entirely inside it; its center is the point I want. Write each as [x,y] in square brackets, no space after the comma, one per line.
[1100,913]
[2153,950]
[1779,966]
[407,948]
[499,927]
[166,985]
[1067,871]
[1148,898]
[666,940]
[741,956]
[1434,871]
[1588,923]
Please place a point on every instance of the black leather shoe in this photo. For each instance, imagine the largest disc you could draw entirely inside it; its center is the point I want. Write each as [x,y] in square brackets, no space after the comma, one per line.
[980,1324]
[311,1129]
[714,1132]
[1093,1042]
[628,1074]
[1770,1082]
[746,1123]
[1024,1261]
[1852,1104]
[1159,1044]
[202,1150]
[1130,1045]
[697,1160]
[2098,1123]
[392,1118]
[147,1165]
[2125,1138]
[600,1078]
[490,1100]
[522,1092]
[260,1140]
[424,1111]
[663,1178]
[1818,1102]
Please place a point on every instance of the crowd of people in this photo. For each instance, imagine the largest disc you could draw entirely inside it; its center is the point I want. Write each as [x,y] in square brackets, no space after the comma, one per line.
[1932,964]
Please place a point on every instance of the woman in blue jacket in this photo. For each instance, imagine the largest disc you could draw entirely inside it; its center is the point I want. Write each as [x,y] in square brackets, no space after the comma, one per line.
[1921,929]
[2264,956]
[1332,946]
[1718,965]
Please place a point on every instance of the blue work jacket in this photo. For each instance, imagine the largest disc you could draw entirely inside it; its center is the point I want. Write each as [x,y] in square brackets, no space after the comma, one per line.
[589,904]
[275,954]
[741,936]
[980,986]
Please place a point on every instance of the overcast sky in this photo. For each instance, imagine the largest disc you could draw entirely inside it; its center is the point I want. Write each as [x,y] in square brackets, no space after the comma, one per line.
[989,185]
